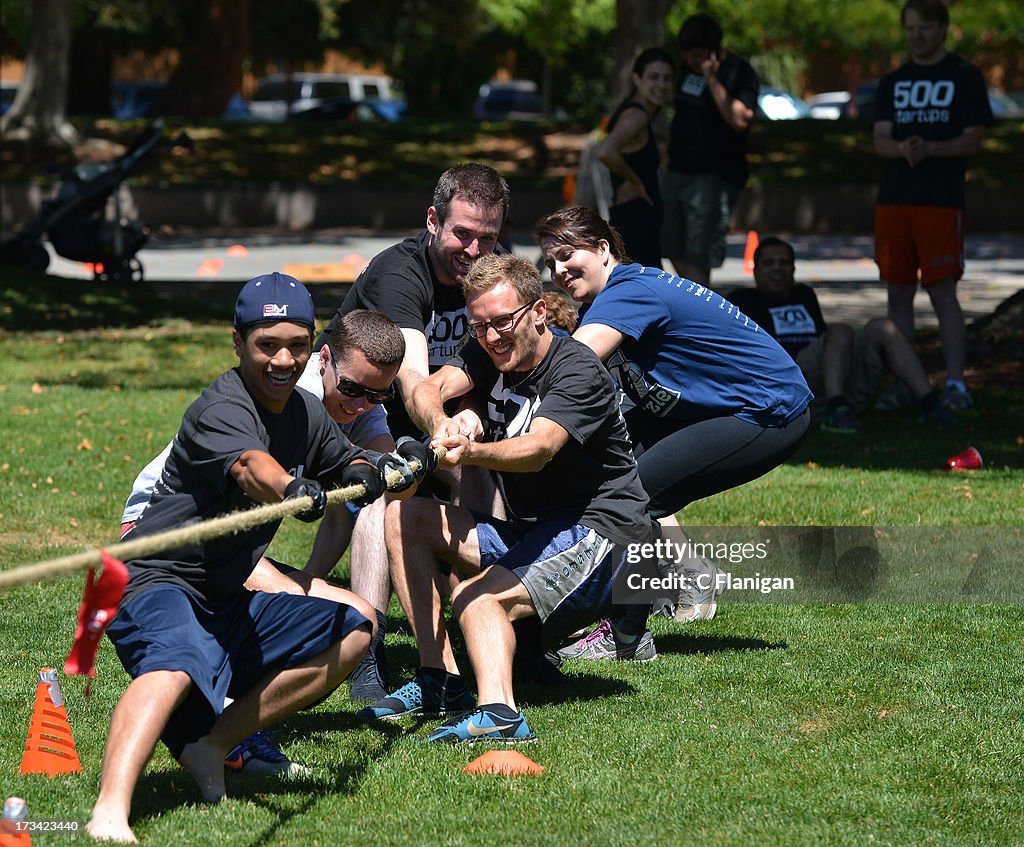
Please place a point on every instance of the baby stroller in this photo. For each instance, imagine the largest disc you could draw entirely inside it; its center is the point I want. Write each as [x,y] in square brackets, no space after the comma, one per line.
[76,220]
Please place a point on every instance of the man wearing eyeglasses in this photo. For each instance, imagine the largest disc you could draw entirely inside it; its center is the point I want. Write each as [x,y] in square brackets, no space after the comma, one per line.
[564,464]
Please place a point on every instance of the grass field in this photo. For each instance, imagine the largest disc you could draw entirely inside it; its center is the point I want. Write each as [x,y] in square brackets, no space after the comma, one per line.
[772,724]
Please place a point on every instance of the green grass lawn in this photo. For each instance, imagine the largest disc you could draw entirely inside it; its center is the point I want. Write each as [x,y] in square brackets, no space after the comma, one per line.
[772,724]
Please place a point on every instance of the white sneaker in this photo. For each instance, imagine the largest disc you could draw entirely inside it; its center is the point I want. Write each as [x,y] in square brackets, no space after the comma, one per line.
[699,600]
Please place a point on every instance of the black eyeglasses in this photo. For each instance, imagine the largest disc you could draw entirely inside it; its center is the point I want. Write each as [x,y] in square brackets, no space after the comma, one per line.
[351,388]
[502,323]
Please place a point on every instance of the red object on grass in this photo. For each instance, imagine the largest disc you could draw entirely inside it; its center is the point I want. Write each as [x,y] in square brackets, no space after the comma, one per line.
[969,460]
[99,605]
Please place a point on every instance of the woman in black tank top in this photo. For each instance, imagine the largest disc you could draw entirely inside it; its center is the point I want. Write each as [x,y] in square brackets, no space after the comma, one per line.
[631,154]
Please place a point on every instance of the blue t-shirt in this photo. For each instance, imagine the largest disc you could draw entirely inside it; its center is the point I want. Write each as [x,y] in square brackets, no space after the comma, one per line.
[688,354]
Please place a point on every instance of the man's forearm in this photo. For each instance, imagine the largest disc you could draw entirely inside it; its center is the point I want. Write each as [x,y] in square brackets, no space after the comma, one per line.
[425,406]
[522,454]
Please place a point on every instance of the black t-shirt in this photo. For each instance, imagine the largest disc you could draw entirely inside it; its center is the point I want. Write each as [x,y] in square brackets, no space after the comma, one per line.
[794,322]
[219,426]
[593,479]
[936,102]
[644,161]
[400,283]
[700,141]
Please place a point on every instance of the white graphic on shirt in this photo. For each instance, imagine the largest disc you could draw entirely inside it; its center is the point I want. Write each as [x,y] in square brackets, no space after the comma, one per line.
[446,333]
[923,101]
[510,413]
[792,320]
[652,396]
[694,85]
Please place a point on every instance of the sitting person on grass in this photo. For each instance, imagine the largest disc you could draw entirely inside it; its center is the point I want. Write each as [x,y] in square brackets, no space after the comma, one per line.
[844,367]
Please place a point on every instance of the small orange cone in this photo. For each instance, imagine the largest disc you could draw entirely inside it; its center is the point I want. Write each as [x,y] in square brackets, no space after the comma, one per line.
[10,837]
[50,748]
[748,253]
[504,763]
[15,813]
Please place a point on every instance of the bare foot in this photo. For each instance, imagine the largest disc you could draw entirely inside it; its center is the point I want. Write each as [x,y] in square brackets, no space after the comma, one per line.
[110,827]
[206,764]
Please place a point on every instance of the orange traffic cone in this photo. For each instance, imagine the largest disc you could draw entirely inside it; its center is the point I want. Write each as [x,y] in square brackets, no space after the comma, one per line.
[50,748]
[504,763]
[15,814]
[748,253]
[11,837]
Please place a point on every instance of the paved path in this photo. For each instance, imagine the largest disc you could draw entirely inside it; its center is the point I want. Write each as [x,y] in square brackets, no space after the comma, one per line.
[839,267]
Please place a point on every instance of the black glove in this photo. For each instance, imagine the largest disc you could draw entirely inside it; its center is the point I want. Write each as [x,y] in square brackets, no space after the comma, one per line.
[360,473]
[300,487]
[390,463]
[410,448]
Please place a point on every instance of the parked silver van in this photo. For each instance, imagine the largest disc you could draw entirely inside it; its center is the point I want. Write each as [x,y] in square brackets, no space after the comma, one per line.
[301,91]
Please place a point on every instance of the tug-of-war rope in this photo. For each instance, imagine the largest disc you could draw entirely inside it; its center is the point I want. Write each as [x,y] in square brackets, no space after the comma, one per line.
[190,534]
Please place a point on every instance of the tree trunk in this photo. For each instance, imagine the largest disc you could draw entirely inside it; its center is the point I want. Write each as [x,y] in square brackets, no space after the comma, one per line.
[639,24]
[210,70]
[39,112]
[91,71]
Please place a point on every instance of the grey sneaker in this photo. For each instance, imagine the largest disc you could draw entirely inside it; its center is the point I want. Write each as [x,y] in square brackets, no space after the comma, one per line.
[698,601]
[897,397]
[602,644]
[956,400]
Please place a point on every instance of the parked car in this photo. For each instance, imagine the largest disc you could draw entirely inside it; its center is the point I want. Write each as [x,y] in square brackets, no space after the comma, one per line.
[8,91]
[829,105]
[774,104]
[1004,106]
[361,111]
[140,98]
[509,100]
[279,95]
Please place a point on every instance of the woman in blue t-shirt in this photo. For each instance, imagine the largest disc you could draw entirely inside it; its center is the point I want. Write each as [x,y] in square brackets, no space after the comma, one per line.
[710,399]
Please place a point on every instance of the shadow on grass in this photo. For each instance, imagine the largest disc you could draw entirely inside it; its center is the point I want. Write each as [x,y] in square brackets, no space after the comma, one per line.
[161,792]
[897,441]
[578,687]
[34,301]
[690,645]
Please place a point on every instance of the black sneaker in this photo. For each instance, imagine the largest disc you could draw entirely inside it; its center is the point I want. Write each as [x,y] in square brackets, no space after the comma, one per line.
[371,680]
[433,691]
[841,420]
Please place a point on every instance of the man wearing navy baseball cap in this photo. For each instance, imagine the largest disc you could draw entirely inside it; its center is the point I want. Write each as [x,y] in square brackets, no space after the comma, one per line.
[187,630]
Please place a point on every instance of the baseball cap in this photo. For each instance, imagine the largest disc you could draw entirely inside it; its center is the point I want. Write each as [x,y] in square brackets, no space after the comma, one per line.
[273,297]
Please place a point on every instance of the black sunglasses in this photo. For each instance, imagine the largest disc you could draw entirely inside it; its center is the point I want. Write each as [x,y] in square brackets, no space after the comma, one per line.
[351,388]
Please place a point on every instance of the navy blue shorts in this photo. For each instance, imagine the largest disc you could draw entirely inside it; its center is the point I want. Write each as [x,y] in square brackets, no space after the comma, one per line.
[226,651]
[569,569]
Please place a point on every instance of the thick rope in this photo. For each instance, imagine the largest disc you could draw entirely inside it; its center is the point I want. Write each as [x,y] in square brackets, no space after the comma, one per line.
[191,534]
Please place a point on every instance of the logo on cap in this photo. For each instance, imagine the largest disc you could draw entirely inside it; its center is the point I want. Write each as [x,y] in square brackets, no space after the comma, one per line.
[272,310]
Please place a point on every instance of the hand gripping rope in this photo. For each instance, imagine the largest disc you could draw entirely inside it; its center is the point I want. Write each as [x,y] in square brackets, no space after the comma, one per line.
[191,534]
